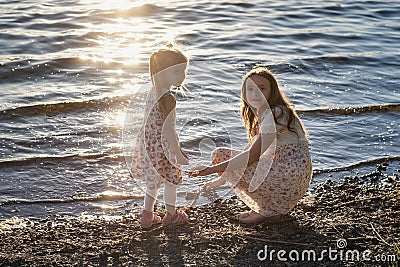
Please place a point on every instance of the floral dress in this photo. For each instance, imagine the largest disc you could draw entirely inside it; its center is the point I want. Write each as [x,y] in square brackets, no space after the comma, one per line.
[153,160]
[287,178]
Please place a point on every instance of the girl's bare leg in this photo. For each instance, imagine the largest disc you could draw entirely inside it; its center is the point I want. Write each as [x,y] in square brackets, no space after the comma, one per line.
[170,197]
[150,199]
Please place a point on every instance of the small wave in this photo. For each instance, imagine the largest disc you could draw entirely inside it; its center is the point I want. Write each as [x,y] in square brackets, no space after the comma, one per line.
[312,65]
[352,110]
[23,70]
[98,198]
[26,69]
[357,165]
[54,26]
[45,16]
[22,161]
[386,13]
[64,107]
[195,142]
[239,4]
[145,10]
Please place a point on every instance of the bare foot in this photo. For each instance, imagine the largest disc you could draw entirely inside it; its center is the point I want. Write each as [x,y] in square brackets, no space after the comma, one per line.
[214,184]
[250,217]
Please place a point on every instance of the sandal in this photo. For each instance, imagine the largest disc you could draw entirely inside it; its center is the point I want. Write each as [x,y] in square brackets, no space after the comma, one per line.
[179,218]
[149,218]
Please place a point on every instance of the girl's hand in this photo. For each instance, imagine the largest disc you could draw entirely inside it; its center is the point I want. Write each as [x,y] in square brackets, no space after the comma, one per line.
[199,170]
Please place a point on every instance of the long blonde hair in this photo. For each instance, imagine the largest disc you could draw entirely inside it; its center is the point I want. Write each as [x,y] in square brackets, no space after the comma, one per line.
[164,58]
[276,99]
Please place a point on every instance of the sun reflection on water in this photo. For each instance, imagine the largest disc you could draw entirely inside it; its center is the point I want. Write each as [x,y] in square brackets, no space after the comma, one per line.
[115,119]
[120,39]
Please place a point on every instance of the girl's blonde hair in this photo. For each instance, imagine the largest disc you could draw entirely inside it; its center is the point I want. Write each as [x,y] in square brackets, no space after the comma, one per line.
[164,58]
[277,99]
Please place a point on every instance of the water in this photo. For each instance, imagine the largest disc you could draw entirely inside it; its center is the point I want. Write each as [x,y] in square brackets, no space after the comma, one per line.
[70,69]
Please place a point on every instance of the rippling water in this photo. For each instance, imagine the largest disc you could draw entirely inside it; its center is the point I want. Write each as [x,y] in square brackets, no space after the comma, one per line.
[70,71]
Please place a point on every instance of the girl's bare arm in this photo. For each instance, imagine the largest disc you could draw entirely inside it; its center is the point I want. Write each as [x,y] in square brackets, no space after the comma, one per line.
[167,104]
[244,159]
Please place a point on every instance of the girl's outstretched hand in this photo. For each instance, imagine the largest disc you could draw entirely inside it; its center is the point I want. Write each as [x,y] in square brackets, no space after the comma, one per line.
[199,170]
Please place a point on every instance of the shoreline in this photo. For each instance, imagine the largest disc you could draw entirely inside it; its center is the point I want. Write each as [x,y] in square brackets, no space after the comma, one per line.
[361,214]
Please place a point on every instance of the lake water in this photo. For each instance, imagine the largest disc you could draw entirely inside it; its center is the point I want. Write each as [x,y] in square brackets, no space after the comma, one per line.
[72,75]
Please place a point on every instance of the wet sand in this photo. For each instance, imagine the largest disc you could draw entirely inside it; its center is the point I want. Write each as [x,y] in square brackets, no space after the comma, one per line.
[360,214]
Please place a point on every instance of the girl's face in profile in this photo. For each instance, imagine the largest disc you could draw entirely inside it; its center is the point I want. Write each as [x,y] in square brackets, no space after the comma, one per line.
[173,75]
[178,74]
[258,91]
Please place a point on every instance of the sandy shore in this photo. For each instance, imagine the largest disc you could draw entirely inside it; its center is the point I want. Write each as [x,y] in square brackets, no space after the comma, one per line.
[340,221]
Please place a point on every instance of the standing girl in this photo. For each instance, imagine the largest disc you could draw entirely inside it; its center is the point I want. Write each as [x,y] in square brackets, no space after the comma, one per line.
[277,152]
[158,156]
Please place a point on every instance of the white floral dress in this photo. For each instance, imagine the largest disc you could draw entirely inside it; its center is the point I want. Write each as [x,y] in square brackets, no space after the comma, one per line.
[287,180]
[153,160]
